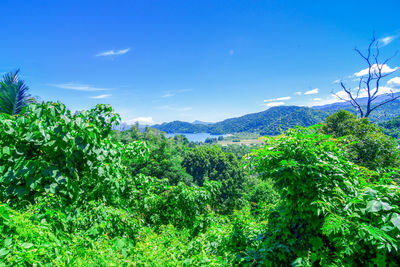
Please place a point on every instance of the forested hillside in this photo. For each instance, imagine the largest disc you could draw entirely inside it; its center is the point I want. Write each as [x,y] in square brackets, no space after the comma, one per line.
[273,120]
[268,122]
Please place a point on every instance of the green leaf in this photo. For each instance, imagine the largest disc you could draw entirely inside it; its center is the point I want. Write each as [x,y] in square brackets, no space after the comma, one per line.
[6,150]
[377,205]
[4,252]
[396,220]
[27,245]
[50,188]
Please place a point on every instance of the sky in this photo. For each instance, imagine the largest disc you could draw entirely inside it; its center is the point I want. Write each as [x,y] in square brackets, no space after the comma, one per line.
[160,61]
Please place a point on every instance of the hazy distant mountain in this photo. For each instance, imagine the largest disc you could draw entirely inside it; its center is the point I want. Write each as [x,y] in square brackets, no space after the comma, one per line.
[383,113]
[202,122]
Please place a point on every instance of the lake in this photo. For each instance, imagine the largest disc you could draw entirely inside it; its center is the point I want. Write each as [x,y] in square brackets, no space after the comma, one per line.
[196,137]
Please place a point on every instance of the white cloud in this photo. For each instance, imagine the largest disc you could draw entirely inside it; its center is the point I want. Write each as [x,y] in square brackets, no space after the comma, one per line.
[113,53]
[312,92]
[317,99]
[394,83]
[374,69]
[336,81]
[392,86]
[171,108]
[274,104]
[278,99]
[174,92]
[298,93]
[168,95]
[100,96]
[79,87]
[141,120]
[388,39]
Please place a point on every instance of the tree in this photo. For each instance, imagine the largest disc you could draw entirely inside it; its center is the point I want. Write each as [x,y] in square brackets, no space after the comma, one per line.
[211,163]
[365,144]
[369,82]
[13,94]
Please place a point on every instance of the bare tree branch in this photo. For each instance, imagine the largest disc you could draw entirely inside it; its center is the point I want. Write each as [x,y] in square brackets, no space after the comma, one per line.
[373,79]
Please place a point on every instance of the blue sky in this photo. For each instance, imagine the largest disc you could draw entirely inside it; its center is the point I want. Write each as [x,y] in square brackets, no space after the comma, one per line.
[157,61]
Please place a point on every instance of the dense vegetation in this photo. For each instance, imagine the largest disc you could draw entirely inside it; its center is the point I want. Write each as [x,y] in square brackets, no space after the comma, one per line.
[392,128]
[73,191]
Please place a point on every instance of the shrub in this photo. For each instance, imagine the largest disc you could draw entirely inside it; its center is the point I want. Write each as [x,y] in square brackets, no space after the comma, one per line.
[46,149]
[326,210]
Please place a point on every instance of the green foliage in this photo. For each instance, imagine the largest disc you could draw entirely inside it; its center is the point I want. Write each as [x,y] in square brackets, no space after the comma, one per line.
[49,150]
[181,205]
[75,192]
[364,142]
[392,128]
[262,193]
[211,163]
[165,155]
[326,208]
[13,94]
[238,150]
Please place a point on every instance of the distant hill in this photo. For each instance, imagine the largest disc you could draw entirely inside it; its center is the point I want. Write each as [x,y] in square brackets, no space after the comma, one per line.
[202,122]
[383,113]
[275,119]
[268,122]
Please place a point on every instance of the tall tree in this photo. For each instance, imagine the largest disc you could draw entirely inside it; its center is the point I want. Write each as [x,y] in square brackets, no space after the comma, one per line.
[370,82]
[13,94]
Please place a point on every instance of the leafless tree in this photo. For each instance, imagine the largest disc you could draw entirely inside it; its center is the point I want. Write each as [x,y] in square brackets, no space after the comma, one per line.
[370,83]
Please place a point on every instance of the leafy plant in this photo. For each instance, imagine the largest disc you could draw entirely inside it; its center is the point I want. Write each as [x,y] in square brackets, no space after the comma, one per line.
[49,150]
[13,94]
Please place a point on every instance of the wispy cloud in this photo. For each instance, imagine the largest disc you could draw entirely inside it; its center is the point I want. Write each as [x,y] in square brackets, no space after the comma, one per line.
[388,39]
[274,104]
[100,96]
[298,93]
[142,120]
[111,53]
[172,93]
[172,108]
[167,95]
[374,68]
[317,99]
[312,92]
[278,99]
[79,87]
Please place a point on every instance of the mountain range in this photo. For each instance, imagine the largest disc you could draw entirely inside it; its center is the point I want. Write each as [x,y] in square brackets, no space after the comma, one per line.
[275,119]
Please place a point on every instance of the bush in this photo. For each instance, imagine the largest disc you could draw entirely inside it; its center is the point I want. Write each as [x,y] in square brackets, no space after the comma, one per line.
[211,163]
[365,143]
[46,149]
[326,210]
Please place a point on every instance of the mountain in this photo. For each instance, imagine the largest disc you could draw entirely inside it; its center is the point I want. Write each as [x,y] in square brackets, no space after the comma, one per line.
[268,122]
[181,127]
[202,122]
[383,113]
[275,119]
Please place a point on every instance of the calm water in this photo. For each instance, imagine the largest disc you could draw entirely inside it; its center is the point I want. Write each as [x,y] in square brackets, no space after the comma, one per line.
[197,137]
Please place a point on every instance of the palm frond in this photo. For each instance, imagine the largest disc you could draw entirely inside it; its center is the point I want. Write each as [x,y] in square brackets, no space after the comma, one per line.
[13,94]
